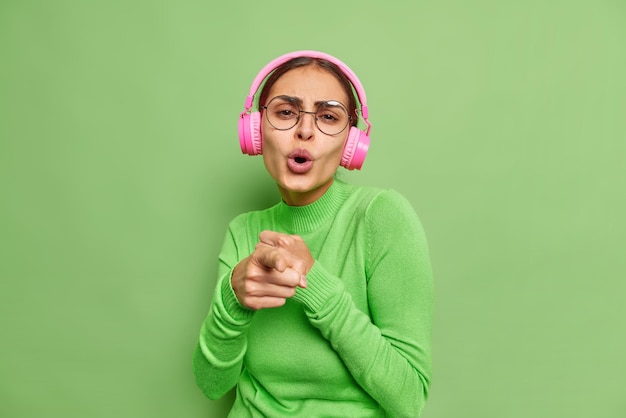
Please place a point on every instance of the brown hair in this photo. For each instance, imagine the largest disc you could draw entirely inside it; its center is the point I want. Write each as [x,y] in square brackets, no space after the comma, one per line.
[321,64]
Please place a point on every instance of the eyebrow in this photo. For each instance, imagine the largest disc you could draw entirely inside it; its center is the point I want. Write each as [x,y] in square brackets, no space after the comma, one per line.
[298,101]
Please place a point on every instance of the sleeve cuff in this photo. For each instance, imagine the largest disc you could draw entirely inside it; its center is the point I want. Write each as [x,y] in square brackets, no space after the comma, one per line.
[231,304]
[322,288]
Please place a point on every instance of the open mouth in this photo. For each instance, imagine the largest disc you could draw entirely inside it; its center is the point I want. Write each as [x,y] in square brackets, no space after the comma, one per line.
[300,161]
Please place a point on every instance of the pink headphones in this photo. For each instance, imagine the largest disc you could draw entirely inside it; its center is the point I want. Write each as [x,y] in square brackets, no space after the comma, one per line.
[358,142]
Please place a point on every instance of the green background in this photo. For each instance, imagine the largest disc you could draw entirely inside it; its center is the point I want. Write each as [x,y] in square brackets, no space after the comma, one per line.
[504,124]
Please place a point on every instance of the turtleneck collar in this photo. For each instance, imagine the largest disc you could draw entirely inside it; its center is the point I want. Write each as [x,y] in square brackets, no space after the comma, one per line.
[303,219]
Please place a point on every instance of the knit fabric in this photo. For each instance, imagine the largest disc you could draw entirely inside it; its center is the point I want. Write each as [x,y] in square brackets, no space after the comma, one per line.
[355,342]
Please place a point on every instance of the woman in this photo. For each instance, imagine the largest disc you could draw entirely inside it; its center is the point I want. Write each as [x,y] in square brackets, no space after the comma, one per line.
[323,305]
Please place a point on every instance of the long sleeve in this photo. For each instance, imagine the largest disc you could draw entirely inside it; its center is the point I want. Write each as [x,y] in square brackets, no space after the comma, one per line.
[218,357]
[388,354]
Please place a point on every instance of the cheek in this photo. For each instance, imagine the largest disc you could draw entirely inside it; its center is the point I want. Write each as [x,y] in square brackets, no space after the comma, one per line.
[266,135]
[271,153]
[270,145]
[272,166]
[338,151]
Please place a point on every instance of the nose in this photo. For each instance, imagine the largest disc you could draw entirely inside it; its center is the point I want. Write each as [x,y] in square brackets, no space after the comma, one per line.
[305,129]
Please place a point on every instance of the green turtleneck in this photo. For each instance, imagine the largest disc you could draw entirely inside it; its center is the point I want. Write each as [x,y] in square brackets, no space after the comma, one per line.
[355,342]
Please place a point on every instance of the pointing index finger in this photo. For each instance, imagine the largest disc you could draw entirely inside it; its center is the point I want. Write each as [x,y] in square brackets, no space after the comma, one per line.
[270,237]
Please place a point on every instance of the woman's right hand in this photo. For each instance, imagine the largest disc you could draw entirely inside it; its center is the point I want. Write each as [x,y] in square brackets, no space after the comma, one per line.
[266,278]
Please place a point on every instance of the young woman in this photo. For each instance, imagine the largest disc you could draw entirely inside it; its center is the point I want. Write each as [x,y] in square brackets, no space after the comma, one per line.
[323,304]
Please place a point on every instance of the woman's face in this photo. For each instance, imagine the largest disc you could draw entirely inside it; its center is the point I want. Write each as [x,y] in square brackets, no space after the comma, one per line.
[303,160]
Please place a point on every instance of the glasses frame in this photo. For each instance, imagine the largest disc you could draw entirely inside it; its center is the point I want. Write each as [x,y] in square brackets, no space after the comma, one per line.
[300,112]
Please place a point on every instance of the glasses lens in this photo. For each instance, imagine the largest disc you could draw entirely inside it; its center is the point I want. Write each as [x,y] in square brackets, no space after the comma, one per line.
[332,117]
[282,113]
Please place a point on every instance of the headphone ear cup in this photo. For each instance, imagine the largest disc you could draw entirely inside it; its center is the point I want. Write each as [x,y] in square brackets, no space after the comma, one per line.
[355,149]
[250,133]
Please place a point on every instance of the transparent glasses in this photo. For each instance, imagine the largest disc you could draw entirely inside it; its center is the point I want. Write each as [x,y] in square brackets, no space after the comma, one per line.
[283,113]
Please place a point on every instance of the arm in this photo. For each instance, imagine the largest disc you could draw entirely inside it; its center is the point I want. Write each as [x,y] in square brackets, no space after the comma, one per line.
[264,279]
[218,357]
[389,355]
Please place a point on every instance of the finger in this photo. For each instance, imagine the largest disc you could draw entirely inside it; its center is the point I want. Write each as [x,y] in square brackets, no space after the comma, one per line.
[256,303]
[259,290]
[289,277]
[270,237]
[278,258]
[258,270]
[277,239]
[270,257]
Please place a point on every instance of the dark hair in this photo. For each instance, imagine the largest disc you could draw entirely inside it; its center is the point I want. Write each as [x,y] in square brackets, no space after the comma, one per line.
[315,62]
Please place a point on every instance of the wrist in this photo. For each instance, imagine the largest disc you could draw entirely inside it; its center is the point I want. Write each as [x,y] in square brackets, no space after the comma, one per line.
[322,288]
[231,302]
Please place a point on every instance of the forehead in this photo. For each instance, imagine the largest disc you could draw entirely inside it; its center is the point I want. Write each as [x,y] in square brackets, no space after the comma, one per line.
[310,84]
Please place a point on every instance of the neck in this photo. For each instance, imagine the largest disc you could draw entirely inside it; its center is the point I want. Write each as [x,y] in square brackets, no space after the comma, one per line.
[295,198]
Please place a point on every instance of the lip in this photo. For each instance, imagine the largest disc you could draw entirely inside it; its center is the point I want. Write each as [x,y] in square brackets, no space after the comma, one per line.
[296,165]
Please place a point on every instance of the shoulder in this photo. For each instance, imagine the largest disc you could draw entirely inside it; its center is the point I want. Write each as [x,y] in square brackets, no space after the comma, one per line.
[382,209]
[388,213]
[374,201]
[390,202]
[246,219]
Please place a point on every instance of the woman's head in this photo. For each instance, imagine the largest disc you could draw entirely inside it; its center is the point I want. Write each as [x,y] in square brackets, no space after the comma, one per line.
[250,129]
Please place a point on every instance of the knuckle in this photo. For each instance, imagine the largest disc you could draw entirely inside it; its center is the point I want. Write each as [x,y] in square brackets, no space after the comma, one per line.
[250,288]
[251,271]
[285,240]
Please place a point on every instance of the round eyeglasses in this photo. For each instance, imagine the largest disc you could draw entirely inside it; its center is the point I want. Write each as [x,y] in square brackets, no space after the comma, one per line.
[283,113]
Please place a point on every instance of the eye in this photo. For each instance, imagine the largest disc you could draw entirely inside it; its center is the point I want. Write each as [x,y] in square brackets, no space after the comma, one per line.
[327,117]
[284,110]
[331,113]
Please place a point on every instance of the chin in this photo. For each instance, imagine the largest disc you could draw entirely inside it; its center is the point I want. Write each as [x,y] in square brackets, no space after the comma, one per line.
[299,186]
[305,185]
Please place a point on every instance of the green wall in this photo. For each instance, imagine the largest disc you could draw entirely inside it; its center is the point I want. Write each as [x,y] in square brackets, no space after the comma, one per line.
[504,123]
